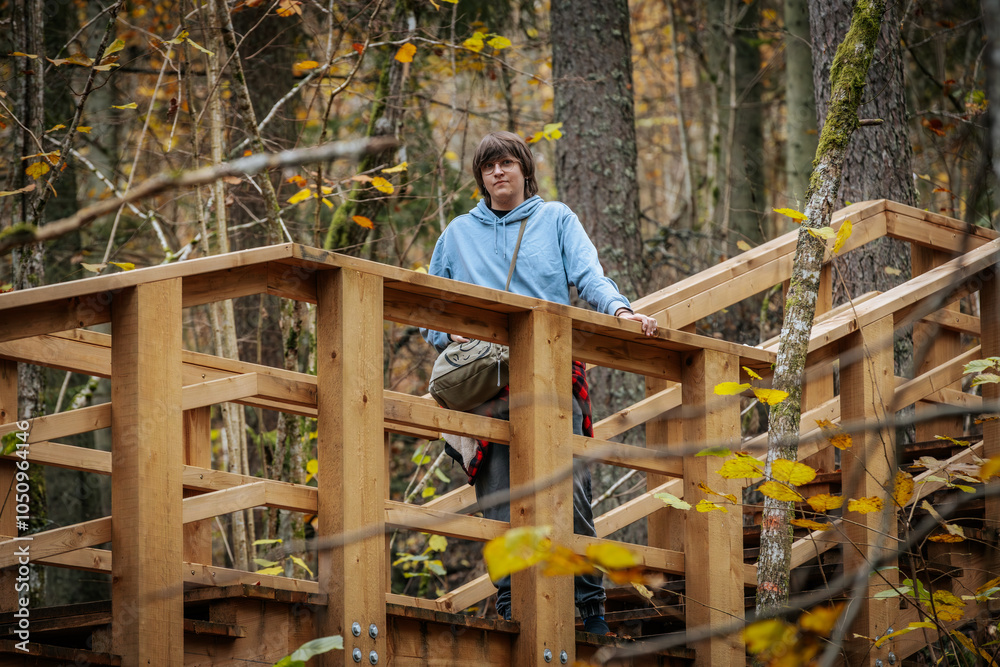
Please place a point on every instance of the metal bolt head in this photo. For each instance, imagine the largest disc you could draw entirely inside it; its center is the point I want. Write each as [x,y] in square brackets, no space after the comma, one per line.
[892,658]
[356,629]
[888,631]
[547,654]
[373,631]
[878,662]
[356,654]
[373,658]
[563,657]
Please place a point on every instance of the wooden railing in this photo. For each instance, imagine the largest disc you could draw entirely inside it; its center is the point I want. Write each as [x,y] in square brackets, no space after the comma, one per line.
[164,490]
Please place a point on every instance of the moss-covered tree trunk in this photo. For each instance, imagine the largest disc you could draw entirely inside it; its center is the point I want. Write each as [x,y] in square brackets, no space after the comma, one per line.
[847,85]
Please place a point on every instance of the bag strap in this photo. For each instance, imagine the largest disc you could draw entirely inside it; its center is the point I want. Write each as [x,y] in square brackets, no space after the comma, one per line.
[513,260]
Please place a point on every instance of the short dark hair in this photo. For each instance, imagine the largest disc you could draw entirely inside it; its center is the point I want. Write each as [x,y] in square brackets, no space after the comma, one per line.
[497,145]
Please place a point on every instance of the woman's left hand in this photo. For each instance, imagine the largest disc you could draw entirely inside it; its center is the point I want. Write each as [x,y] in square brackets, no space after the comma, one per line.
[648,323]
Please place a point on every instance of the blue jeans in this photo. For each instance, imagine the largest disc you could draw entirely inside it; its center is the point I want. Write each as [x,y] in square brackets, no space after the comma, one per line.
[495,477]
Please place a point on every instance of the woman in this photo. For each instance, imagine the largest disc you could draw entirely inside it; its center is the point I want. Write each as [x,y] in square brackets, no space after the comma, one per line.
[555,253]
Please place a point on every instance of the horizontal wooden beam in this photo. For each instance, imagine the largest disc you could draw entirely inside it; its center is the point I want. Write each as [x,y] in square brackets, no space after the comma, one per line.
[627,456]
[413,517]
[954,321]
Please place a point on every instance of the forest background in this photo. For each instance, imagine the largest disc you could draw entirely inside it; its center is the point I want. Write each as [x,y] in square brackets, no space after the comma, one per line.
[672,128]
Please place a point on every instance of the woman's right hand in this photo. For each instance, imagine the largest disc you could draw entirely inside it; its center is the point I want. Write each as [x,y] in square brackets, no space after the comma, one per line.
[455,338]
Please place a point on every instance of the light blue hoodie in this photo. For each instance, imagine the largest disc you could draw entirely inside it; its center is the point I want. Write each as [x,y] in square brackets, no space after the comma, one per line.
[555,253]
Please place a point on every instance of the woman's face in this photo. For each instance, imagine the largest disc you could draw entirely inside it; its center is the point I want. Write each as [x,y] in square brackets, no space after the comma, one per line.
[505,183]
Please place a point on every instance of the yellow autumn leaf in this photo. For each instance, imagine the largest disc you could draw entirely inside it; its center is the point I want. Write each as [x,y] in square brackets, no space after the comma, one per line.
[843,234]
[200,47]
[741,467]
[300,196]
[946,537]
[552,131]
[631,575]
[517,549]
[60,126]
[728,496]
[306,65]
[751,373]
[85,129]
[834,434]
[382,185]
[178,39]
[93,268]
[770,396]
[821,620]
[312,468]
[475,43]
[499,43]
[743,245]
[124,266]
[288,8]
[114,47]
[37,169]
[363,221]
[611,555]
[274,571]
[823,502]
[7,193]
[761,636]
[24,55]
[902,488]
[791,213]
[405,53]
[822,232]
[708,506]
[564,561]
[892,271]
[810,524]
[673,501]
[130,105]
[730,388]
[988,586]
[792,472]
[779,491]
[865,505]
[990,469]
[428,492]
[395,170]
[949,606]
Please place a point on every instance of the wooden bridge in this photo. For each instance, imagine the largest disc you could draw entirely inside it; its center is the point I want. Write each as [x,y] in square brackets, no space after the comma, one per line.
[170,605]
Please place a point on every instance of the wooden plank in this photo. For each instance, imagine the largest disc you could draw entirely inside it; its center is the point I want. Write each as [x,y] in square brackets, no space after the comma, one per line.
[147,432]
[651,558]
[59,540]
[223,390]
[541,454]
[225,284]
[198,453]
[415,410]
[8,472]
[989,305]
[933,380]
[416,310]
[419,518]
[817,389]
[953,320]
[955,398]
[208,505]
[928,236]
[943,221]
[933,346]
[457,501]
[641,412]
[626,456]
[350,452]
[410,601]
[64,424]
[714,580]
[630,356]
[865,384]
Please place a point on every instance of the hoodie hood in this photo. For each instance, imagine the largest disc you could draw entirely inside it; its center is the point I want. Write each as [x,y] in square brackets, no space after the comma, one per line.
[482,213]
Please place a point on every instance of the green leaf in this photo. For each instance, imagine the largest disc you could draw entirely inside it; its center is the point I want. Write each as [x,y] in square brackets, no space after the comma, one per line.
[114,47]
[301,563]
[436,567]
[893,592]
[979,365]
[317,646]
[9,441]
[985,378]
[441,476]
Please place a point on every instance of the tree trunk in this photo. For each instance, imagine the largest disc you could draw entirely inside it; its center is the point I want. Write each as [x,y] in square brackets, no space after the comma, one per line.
[878,161]
[800,103]
[386,120]
[847,89]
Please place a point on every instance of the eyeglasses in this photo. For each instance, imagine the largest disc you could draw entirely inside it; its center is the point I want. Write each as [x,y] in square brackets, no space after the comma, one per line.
[505,165]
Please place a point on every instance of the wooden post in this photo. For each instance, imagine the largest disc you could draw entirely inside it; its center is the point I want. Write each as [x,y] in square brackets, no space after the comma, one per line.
[198,452]
[713,541]
[665,526]
[933,346]
[541,428]
[989,306]
[8,522]
[146,431]
[866,388]
[351,450]
[818,390]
